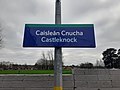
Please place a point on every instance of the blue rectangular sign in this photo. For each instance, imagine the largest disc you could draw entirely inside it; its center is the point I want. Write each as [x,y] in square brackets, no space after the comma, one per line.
[59,35]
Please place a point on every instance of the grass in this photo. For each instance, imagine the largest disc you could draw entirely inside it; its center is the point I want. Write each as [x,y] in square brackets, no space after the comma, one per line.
[32,72]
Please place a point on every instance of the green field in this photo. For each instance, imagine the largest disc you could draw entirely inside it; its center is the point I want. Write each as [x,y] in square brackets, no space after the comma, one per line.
[32,72]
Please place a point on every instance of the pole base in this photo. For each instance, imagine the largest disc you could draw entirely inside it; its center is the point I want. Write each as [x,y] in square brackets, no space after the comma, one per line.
[58,88]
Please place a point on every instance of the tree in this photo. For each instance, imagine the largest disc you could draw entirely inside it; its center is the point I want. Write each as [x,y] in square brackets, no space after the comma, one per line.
[5,65]
[42,62]
[46,61]
[118,52]
[99,64]
[50,59]
[110,58]
[118,60]
[86,65]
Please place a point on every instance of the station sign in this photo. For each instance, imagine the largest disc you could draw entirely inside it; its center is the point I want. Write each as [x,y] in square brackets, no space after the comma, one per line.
[59,35]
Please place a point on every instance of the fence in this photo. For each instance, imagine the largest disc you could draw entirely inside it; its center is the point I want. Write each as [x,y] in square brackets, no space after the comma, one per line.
[32,82]
[81,79]
[96,79]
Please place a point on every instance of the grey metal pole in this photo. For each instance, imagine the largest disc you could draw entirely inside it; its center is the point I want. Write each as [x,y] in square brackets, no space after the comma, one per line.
[58,53]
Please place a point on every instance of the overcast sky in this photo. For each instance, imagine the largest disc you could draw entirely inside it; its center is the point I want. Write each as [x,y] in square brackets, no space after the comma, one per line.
[14,14]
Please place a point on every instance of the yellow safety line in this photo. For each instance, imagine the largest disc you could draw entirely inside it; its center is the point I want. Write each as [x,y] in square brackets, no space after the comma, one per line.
[58,88]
